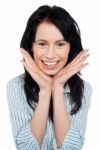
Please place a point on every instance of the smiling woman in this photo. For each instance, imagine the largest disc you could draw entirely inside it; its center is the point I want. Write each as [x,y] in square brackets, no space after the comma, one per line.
[49,103]
[50,52]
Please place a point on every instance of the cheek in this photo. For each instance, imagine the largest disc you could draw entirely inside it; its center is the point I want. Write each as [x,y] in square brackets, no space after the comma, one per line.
[37,56]
[65,55]
[35,53]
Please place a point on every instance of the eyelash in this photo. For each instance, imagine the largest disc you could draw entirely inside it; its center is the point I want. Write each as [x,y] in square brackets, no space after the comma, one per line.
[61,44]
[58,44]
[42,44]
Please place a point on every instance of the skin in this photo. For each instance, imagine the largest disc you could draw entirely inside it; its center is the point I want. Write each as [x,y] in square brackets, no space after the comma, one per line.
[51,79]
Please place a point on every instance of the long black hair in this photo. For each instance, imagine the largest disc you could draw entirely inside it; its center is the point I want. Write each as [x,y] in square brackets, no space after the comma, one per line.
[71,33]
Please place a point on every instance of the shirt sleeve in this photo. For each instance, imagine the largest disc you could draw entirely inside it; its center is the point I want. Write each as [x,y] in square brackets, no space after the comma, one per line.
[74,139]
[20,115]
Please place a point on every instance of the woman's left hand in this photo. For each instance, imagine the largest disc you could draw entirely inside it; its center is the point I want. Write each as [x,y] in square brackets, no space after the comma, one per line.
[77,64]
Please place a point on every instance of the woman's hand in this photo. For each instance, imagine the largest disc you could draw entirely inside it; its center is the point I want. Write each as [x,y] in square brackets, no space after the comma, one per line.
[40,78]
[58,81]
[77,64]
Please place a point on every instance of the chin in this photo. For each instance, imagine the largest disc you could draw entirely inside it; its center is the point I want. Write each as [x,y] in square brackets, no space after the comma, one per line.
[50,73]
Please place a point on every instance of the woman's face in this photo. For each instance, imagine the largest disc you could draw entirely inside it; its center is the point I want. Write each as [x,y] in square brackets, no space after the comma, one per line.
[50,50]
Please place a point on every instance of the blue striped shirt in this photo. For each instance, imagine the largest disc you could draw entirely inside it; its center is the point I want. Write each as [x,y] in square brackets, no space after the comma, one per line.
[21,115]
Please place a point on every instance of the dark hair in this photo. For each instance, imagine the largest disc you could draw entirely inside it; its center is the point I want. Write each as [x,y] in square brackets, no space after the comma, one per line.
[71,33]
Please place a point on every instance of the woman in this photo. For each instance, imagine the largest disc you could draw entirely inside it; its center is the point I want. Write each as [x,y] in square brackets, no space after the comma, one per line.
[49,103]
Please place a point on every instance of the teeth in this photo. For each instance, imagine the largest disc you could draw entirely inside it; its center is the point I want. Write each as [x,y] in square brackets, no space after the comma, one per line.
[50,63]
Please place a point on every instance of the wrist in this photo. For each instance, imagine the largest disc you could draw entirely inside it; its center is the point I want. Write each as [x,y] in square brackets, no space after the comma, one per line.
[45,93]
[58,90]
[57,95]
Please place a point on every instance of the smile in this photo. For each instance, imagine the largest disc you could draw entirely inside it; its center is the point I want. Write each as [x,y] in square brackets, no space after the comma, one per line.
[50,64]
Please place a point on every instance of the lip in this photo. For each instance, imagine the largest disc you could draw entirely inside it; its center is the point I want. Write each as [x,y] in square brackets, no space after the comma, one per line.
[50,65]
[50,62]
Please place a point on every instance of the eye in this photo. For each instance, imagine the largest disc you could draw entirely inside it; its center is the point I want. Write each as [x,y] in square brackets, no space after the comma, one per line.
[42,44]
[60,44]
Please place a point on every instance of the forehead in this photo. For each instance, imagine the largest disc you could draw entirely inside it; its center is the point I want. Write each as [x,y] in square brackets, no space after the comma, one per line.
[48,31]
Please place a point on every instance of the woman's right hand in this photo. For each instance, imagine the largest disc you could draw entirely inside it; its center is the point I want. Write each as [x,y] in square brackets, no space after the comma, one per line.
[44,82]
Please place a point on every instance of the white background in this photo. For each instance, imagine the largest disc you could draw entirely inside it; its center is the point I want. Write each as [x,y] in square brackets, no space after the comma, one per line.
[13,18]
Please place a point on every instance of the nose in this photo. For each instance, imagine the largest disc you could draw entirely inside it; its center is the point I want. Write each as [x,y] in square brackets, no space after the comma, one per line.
[50,53]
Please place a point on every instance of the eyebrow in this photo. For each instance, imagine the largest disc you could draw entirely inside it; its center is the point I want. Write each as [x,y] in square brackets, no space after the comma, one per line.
[61,40]
[47,41]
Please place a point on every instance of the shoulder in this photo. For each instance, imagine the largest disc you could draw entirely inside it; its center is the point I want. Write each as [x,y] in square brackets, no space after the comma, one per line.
[87,93]
[16,82]
[16,95]
[87,88]
[15,88]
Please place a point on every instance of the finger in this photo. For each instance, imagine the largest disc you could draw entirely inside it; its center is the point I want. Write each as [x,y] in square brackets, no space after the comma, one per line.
[31,66]
[28,58]
[80,55]
[82,66]
[25,53]
[74,68]
[30,62]
[27,67]
[73,71]
[79,66]
[79,61]
[84,59]
[33,74]
[84,56]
